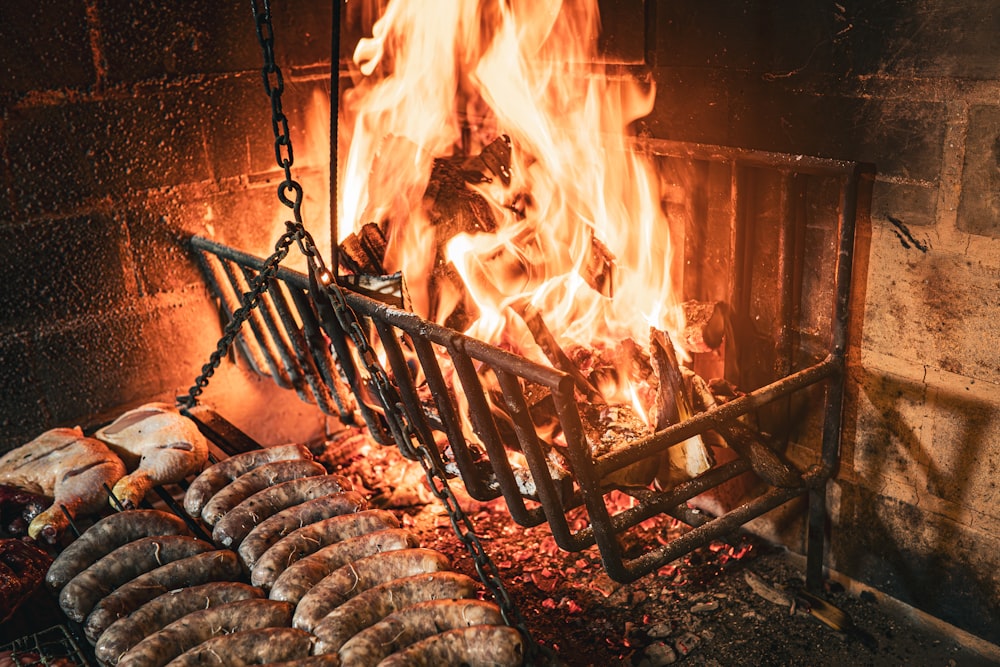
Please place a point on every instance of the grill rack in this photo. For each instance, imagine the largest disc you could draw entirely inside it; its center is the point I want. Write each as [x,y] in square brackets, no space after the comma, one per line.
[286,342]
[52,646]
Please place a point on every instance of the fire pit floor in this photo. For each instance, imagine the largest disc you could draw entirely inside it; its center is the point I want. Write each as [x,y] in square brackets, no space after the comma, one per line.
[732,603]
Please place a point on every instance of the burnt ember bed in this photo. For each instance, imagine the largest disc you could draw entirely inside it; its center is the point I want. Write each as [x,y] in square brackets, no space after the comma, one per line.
[735,602]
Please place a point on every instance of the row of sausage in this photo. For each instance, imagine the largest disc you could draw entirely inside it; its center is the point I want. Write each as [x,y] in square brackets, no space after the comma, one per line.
[331,581]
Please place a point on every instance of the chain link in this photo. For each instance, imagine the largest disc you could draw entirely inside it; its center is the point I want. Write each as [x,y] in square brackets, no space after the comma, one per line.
[290,194]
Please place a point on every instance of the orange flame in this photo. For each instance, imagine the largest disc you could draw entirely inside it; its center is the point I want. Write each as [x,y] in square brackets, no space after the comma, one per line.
[528,69]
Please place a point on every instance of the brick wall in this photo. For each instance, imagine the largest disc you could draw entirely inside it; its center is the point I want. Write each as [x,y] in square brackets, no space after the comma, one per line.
[913,87]
[126,127]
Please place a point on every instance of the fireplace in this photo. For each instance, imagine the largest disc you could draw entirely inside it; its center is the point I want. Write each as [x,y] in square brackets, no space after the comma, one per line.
[130,129]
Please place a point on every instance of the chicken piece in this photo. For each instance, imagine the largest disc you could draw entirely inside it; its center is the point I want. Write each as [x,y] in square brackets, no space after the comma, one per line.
[64,465]
[158,444]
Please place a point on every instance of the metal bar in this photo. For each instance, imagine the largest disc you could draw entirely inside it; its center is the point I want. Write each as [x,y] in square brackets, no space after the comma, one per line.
[263,342]
[481,417]
[545,487]
[803,164]
[227,298]
[407,390]
[451,422]
[320,350]
[277,343]
[334,136]
[325,397]
[816,526]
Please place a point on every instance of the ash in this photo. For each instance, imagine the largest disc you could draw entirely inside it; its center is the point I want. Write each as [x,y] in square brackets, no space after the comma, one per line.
[735,602]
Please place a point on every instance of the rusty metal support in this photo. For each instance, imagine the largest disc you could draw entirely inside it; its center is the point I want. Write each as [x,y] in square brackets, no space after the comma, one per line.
[470,383]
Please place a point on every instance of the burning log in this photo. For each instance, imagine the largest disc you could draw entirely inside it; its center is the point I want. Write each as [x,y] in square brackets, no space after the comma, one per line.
[768,464]
[363,253]
[705,326]
[691,457]
[555,354]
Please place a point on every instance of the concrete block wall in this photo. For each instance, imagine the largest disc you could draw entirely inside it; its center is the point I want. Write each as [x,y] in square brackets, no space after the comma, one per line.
[127,127]
[914,88]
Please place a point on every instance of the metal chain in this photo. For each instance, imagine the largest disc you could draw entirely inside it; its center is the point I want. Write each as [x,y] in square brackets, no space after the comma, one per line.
[402,432]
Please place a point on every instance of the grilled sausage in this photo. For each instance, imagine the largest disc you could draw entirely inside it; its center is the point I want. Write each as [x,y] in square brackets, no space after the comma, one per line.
[125,563]
[107,535]
[159,612]
[230,530]
[251,647]
[354,578]
[188,631]
[310,538]
[494,645]
[296,579]
[217,475]
[411,624]
[256,480]
[325,660]
[220,565]
[371,606]
[275,527]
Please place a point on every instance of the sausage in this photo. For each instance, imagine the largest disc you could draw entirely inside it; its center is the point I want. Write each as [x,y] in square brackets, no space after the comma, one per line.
[219,565]
[230,530]
[328,544]
[411,624]
[159,612]
[250,647]
[325,660]
[188,631]
[107,535]
[349,580]
[125,563]
[256,480]
[297,579]
[288,520]
[371,606]
[310,538]
[217,475]
[495,645]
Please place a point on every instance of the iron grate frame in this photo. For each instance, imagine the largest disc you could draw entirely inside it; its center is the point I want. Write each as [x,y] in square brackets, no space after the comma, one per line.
[285,341]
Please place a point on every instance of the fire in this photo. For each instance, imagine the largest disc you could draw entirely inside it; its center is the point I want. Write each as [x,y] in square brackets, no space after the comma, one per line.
[578,231]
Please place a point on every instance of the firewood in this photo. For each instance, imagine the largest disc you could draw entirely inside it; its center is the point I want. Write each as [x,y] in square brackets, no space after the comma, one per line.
[691,457]
[493,161]
[363,253]
[555,354]
[767,463]
[705,326]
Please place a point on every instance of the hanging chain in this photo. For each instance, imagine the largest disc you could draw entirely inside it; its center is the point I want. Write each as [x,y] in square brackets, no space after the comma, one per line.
[290,194]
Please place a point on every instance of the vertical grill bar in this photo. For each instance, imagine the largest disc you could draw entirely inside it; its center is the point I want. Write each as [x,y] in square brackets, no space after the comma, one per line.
[264,344]
[320,349]
[551,499]
[407,390]
[451,422]
[306,363]
[275,342]
[485,428]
